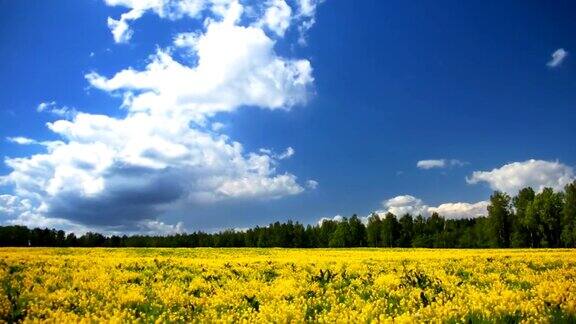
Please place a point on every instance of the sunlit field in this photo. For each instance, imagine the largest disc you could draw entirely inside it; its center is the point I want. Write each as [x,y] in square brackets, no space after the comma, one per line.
[263,285]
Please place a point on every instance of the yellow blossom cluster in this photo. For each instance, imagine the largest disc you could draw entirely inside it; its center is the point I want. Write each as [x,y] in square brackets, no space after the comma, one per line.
[61,285]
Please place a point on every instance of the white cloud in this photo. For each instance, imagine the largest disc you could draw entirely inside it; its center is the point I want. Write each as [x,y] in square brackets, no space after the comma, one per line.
[187,40]
[21,140]
[440,163]
[312,184]
[237,66]
[60,111]
[217,126]
[286,154]
[276,17]
[406,204]
[154,227]
[110,170]
[166,155]
[12,205]
[337,218]
[557,58]
[538,174]
[430,164]
[307,14]
[460,210]
[169,9]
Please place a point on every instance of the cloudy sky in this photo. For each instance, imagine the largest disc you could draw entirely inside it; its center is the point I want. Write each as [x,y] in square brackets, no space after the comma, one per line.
[159,116]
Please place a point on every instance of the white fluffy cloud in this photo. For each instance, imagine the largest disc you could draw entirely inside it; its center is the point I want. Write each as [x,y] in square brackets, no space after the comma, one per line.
[557,58]
[404,204]
[124,171]
[21,140]
[337,218]
[312,184]
[460,210]
[538,174]
[169,9]
[60,111]
[439,163]
[120,174]
[277,17]
[407,204]
[237,66]
[277,14]
[307,14]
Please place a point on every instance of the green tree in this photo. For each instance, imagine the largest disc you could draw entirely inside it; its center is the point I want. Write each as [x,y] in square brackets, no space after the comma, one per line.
[420,236]
[357,232]
[500,218]
[406,230]
[342,234]
[390,230]
[548,207]
[521,230]
[434,230]
[568,235]
[373,230]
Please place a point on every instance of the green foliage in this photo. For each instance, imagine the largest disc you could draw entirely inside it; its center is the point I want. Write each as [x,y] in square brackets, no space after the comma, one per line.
[373,231]
[546,219]
[390,230]
[523,227]
[500,219]
[568,235]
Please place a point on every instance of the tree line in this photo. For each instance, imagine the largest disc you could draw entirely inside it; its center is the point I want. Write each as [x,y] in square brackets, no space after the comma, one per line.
[530,219]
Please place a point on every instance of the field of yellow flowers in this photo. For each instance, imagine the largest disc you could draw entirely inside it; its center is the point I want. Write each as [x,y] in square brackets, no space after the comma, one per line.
[278,285]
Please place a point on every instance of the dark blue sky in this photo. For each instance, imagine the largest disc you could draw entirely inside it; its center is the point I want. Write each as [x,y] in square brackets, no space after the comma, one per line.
[395,82]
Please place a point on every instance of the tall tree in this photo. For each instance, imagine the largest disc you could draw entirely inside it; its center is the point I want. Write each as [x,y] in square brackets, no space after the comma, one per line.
[390,230]
[373,230]
[434,230]
[357,231]
[521,230]
[500,218]
[341,236]
[548,206]
[406,230]
[420,237]
[568,235]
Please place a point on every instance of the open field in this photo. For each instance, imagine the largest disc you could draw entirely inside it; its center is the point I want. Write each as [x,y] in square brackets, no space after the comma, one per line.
[338,285]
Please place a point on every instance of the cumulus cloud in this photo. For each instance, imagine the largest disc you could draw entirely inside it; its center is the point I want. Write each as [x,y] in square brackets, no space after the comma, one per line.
[557,58]
[21,140]
[407,204]
[113,172]
[279,156]
[60,111]
[121,174]
[460,210]
[337,218]
[276,17]
[439,163]
[286,154]
[237,66]
[169,9]
[538,174]
[12,205]
[312,184]
[404,204]
[307,14]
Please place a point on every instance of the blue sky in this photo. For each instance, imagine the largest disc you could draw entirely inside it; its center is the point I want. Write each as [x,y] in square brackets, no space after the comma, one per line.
[360,90]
